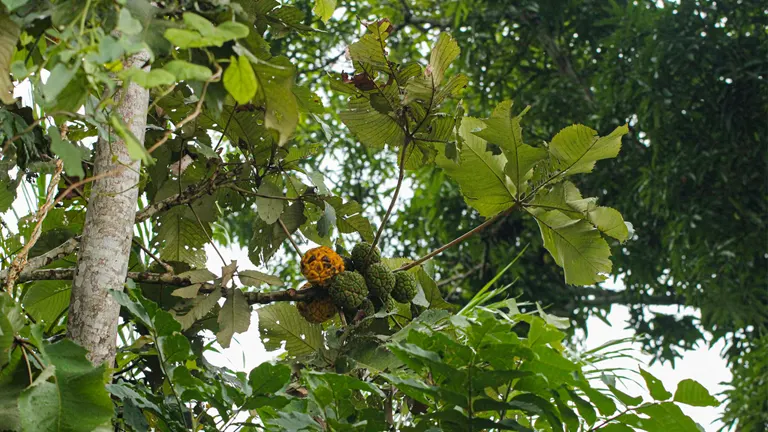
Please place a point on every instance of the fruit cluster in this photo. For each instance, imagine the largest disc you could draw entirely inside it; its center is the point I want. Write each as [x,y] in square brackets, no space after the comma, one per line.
[358,285]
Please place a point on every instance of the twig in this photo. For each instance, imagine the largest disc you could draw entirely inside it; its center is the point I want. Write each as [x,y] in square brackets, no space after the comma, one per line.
[54,254]
[457,240]
[198,110]
[20,261]
[205,231]
[290,237]
[460,276]
[165,265]
[394,198]
[226,126]
[247,192]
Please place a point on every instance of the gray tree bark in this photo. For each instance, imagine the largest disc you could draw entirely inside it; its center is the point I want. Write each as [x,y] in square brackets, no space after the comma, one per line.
[102,263]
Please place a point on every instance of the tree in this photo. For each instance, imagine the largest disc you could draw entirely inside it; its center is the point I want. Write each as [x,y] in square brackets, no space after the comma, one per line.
[204,71]
[689,189]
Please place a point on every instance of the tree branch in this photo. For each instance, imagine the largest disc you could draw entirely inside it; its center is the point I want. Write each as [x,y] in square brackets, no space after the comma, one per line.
[181,281]
[43,260]
[458,240]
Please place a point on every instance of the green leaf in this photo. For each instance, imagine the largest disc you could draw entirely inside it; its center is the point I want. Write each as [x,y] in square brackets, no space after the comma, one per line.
[327,221]
[625,398]
[13,380]
[479,173]
[198,276]
[541,334]
[67,152]
[186,71]
[150,79]
[504,130]
[180,238]
[655,387]
[201,305]
[269,209]
[9,36]
[59,78]
[276,79]
[240,80]
[692,393]
[610,222]
[324,9]
[282,322]
[203,33]
[576,148]
[268,378]
[369,50]
[616,427]
[127,24]
[604,404]
[575,245]
[78,387]
[266,239]
[372,127]
[136,150]
[175,348]
[234,317]
[47,300]
[255,278]
[443,53]
[666,417]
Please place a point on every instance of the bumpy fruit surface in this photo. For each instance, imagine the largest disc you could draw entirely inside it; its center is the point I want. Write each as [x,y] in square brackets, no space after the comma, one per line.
[405,287]
[361,257]
[317,311]
[320,264]
[380,280]
[348,290]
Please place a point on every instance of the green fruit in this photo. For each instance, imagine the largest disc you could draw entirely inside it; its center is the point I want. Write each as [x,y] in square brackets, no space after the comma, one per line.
[405,287]
[380,280]
[361,257]
[348,290]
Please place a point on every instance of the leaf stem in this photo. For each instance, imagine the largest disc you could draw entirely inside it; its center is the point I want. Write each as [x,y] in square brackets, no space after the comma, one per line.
[400,177]
[457,240]
[290,237]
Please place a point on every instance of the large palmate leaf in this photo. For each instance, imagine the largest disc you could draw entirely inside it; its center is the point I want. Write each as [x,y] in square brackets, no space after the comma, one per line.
[369,50]
[47,300]
[565,197]
[69,395]
[195,309]
[479,173]
[281,322]
[576,148]
[276,83]
[372,127]
[504,130]
[234,317]
[324,9]
[181,238]
[576,246]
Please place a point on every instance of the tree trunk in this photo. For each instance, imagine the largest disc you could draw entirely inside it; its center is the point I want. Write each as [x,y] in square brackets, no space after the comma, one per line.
[102,263]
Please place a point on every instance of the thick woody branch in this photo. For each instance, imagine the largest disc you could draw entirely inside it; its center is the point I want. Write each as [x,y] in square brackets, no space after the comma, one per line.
[180,281]
[43,260]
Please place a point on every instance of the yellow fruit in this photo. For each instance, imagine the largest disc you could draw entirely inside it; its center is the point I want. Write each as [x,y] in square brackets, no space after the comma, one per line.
[320,264]
[318,310]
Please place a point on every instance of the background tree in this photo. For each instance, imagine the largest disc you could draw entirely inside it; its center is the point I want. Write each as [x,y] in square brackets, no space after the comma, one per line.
[221,117]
